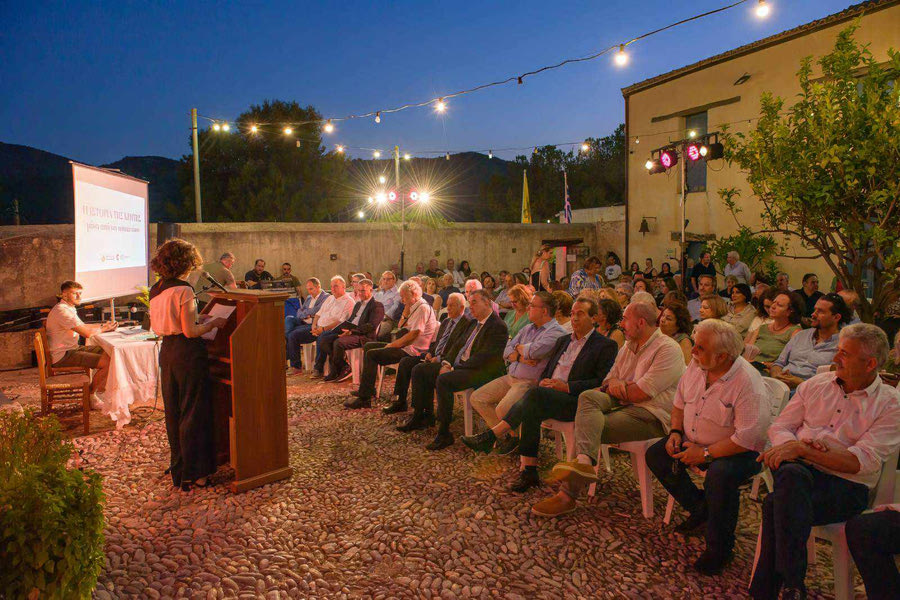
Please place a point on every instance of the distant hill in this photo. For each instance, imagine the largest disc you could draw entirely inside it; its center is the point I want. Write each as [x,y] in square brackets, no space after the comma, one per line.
[42,182]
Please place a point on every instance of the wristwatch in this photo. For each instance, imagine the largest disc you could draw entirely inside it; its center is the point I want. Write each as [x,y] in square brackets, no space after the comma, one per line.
[706,455]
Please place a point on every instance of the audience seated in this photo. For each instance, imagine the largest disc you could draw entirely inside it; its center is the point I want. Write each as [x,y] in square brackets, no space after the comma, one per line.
[613,267]
[828,447]
[770,339]
[450,331]
[763,304]
[527,353]
[334,310]
[563,314]
[640,285]
[459,279]
[433,271]
[289,277]
[810,293]
[447,287]
[874,540]
[675,322]
[430,288]
[587,277]
[607,319]
[741,312]
[472,285]
[420,324]
[675,297]
[712,306]
[814,347]
[701,269]
[706,286]
[256,274]
[503,300]
[361,327]
[576,363]
[851,299]
[720,415]
[325,335]
[301,322]
[730,282]
[489,284]
[389,297]
[634,403]
[624,291]
[517,318]
[478,360]
[644,297]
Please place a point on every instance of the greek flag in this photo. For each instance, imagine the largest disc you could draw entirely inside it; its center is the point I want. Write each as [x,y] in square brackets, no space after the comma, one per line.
[567,209]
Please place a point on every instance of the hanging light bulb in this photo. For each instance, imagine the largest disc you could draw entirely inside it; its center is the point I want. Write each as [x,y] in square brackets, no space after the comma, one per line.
[254,129]
[762,9]
[339,149]
[376,154]
[448,156]
[361,215]
[217,127]
[288,131]
[585,147]
[692,133]
[441,106]
[490,154]
[637,140]
[378,117]
[621,56]
[370,199]
[329,127]
[225,127]
[381,179]
[407,156]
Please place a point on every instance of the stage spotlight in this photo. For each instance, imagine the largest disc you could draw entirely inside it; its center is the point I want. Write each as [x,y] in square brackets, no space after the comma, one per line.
[414,196]
[649,164]
[704,150]
[668,159]
[693,152]
[392,196]
[715,151]
[654,167]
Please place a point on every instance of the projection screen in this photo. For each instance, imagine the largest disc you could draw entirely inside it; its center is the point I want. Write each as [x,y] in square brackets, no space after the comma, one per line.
[111,249]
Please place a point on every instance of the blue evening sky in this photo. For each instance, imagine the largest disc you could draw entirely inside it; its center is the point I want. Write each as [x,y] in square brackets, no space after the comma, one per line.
[96,81]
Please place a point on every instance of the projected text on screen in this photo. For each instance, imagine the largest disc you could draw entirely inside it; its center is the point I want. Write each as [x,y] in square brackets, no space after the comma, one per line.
[111,227]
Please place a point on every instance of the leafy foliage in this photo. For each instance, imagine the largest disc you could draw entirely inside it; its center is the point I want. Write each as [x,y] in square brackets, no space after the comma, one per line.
[51,517]
[756,250]
[827,168]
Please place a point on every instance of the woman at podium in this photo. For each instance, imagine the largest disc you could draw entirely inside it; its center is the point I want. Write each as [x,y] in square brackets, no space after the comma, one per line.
[183,364]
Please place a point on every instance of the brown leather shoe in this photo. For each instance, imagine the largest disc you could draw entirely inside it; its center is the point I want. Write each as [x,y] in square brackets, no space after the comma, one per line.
[574,471]
[554,506]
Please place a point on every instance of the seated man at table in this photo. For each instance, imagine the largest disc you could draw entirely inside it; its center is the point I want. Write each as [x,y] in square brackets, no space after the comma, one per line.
[256,274]
[634,403]
[720,416]
[577,362]
[358,329]
[335,310]
[449,332]
[828,448]
[63,328]
[289,277]
[527,354]
[814,347]
[310,305]
[478,360]
[420,324]
[219,270]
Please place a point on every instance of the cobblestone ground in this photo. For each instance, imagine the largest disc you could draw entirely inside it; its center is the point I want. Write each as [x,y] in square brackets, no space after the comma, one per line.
[370,513]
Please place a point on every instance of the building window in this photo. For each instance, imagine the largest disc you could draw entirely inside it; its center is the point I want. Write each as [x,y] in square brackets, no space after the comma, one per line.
[695,171]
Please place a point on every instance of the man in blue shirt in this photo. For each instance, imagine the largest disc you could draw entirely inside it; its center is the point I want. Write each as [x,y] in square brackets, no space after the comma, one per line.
[813,347]
[527,355]
[296,327]
[389,297]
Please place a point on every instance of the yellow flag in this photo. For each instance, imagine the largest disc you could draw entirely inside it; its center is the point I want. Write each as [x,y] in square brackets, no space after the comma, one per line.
[526,205]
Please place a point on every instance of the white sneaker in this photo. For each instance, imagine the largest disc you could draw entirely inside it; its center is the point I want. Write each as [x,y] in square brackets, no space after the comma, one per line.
[96,402]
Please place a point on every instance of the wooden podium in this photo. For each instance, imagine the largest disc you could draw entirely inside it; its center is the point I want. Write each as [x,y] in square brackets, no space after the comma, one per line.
[248,387]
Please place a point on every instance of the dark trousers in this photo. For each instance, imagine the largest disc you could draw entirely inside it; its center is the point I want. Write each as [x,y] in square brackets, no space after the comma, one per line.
[376,355]
[189,420]
[720,496]
[874,539]
[324,343]
[423,377]
[339,347]
[296,338]
[404,375]
[803,497]
[456,381]
[537,405]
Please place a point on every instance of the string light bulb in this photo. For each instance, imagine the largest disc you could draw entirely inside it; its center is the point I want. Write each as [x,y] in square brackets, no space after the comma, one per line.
[329,127]
[288,131]
[361,215]
[490,154]
[378,117]
[407,156]
[448,156]
[585,147]
[692,133]
[254,129]
[376,154]
[339,149]
[424,197]
[225,127]
[441,106]
[637,140]
[621,56]
[370,199]
[217,127]
[762,9]
[382,179]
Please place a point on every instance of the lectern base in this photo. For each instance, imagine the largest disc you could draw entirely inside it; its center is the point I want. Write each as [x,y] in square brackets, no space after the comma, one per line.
[248,484]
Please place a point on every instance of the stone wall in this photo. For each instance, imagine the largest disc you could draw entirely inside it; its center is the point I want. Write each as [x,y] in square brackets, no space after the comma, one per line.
[35,259]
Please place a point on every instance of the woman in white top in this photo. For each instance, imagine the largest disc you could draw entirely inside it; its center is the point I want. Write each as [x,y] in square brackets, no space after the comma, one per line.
[183,364]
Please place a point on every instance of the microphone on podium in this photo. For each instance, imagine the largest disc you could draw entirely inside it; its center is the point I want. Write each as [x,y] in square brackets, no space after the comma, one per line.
[213,281]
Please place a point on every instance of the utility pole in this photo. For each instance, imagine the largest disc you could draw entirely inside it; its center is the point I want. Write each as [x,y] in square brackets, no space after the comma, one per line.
[402,208]
[198,211]
[16,211]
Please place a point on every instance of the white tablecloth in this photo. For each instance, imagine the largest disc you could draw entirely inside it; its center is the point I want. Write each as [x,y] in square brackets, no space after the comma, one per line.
[133,368]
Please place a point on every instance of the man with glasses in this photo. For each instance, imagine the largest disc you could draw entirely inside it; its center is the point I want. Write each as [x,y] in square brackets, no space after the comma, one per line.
[389,297]
[527,354]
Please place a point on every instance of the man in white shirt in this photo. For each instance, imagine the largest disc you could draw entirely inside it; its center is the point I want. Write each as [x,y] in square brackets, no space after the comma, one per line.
[419,321]
[734,266]
[633,403]
[459,280]
[828,447]
[335,310]
[720,416]
[389,297]
[63,328]
[613,270]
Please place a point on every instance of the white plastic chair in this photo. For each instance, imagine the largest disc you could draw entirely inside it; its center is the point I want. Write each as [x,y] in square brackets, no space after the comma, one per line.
[468,421]
[309,356]
[355,358]
[381,371]
[823,368]
[563,437]
[779,392]
[835,533]
[638,451]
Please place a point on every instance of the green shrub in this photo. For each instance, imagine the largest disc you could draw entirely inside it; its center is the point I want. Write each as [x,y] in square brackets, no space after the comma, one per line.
[51,517]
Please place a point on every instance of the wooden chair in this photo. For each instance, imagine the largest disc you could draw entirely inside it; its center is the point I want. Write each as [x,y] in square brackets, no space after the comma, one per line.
[66,385]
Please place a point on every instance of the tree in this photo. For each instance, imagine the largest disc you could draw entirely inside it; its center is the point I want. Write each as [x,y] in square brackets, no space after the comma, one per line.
[267,175]
[756,250]
[827,169]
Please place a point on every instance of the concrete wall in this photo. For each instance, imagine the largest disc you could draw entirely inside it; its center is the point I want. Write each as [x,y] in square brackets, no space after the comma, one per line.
[771,69]
[35,259]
